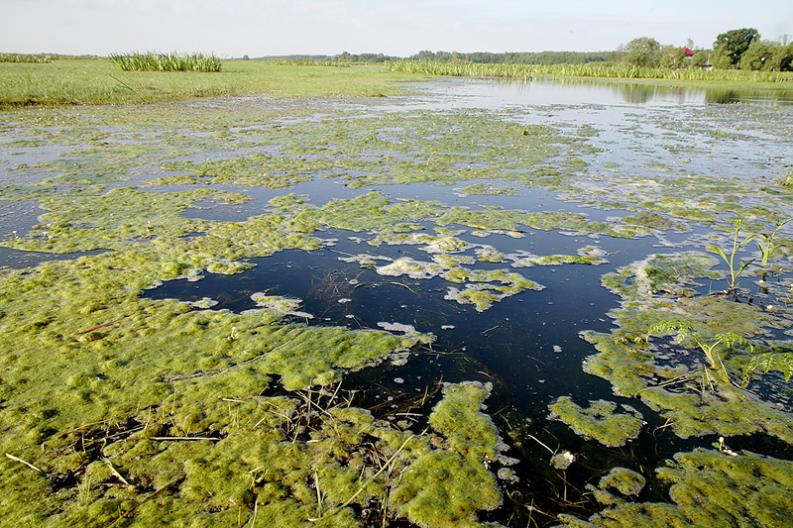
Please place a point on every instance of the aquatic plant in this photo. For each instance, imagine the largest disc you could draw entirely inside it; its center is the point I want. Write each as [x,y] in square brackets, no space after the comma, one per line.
[767,244]
[196,62]
[736,269]
[714,348]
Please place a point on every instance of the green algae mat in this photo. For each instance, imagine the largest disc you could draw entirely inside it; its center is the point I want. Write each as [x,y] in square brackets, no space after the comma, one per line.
[475,305]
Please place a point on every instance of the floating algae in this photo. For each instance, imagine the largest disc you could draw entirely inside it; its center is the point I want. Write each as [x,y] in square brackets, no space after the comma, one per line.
[588,255]
[280,305]
[256,169]
[306,466]
[709,488]
[485,189]
[482,287]
[627,482]
[462,485]
[695,402]
[163,412]
[598,421]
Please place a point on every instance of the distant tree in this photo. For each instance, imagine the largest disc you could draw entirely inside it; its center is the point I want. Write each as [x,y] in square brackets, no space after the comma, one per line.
[731,45]
[782,58]
[758,55]
[643,51]
[619,54]
[674,57]
[424,55]
[700,59]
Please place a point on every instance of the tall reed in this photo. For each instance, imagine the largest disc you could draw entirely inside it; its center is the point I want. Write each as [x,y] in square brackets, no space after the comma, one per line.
[195,62]
[597,69]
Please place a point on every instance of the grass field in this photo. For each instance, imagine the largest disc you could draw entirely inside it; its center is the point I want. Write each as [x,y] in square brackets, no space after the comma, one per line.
[98,81]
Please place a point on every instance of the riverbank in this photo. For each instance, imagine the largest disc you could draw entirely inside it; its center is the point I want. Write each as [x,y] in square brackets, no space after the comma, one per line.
[98,81]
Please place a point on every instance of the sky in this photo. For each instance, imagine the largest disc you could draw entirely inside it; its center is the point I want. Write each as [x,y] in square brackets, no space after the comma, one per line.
[232,28]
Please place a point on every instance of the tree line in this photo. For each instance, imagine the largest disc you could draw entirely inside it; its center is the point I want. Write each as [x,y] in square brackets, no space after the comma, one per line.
[735,49]
[538,57]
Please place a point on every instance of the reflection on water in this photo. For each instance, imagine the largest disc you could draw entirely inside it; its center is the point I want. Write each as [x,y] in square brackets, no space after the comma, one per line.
[595,91]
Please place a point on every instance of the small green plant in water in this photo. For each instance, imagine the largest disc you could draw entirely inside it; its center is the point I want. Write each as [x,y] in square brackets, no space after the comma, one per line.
[736,269]
[714,348]
[766,244]
[787,181]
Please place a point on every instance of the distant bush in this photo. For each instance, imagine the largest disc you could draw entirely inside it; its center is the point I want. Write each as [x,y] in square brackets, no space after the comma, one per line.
[195,62]
[21,57]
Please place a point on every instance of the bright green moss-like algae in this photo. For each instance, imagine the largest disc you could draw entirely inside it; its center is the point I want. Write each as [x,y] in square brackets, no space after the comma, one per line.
[710,488]
[598,421]
[127,406]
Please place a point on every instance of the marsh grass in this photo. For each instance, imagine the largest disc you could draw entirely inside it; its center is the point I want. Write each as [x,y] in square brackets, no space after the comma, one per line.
[98,81]
[25,58]
[611,70]
[170,62]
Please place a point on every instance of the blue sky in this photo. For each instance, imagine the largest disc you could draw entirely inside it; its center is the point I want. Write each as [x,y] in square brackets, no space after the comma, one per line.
[398,27]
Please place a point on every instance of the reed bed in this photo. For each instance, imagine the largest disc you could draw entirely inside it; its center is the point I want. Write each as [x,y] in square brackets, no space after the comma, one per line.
[24,57]
[167,62]
[599,69]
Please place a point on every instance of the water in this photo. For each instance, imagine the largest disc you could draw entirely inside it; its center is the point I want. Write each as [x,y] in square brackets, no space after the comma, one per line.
[642,130]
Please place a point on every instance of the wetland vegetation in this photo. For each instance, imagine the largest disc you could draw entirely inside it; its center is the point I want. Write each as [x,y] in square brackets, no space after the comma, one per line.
[166,62]
[274,297]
